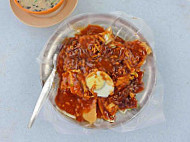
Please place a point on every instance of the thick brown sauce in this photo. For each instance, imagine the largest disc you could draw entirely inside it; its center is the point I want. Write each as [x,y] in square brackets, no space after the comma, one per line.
[85,53]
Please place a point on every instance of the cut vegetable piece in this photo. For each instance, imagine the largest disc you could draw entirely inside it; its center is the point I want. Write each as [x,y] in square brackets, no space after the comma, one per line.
[107,109]
[91,115]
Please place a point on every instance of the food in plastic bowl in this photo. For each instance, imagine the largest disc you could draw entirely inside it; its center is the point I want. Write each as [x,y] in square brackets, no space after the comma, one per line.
[106,70]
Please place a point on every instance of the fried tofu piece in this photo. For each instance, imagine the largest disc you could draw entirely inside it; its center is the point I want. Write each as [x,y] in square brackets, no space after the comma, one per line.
[91,115]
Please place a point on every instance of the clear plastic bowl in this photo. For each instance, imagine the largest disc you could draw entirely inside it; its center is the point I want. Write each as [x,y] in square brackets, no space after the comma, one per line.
[127,27]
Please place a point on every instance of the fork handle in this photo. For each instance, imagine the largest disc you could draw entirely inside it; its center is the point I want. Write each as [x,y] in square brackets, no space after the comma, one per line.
[42,98]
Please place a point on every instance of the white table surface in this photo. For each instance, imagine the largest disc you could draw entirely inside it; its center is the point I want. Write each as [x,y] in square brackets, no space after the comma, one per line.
[20,86]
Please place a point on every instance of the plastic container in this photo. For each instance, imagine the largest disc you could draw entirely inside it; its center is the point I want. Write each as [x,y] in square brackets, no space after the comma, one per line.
[127,27]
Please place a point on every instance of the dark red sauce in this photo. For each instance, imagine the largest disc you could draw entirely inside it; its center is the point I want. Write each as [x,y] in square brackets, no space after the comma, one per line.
[87,52]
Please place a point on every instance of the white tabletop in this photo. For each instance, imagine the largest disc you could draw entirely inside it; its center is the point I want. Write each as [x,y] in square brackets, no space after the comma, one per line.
[20,86]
